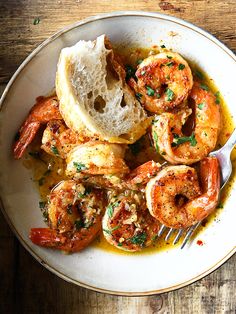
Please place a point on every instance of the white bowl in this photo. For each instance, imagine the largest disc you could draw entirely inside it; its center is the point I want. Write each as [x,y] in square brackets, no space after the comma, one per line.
[93,268]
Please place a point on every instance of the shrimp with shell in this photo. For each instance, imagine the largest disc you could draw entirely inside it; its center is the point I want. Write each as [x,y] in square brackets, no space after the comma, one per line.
[74,216]
[127,224]
[164,82]
[177,200]
[167,133]
[45,109]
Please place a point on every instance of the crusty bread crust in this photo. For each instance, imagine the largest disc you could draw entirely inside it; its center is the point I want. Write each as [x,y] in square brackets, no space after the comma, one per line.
[94,97]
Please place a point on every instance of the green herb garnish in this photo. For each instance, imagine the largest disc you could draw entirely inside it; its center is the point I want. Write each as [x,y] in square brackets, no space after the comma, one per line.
[139,61]
[130,72]
[150,91]
[169,57]
[155,139]
[170,64]
[199,74]
[111,230]
[79,224]
[36,21]
[163,46]
[110,209]
[42,204]
[220,205]
[169,94]
[181,66]
[55,150]
[139,239]
[200,106]
[204,87]
[79,166]
[217,101]
[180,140]
[138,96]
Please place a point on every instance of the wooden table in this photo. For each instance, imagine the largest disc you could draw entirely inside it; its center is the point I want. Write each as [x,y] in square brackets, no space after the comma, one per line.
[25,286]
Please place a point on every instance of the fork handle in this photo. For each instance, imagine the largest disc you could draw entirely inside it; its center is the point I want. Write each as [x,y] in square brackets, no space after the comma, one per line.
[231,141]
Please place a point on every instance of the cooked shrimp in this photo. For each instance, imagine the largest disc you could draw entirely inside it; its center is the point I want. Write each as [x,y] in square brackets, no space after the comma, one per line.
[164,82]
[74,217]
[45,109]
[96,158]
[135,180]
[175,198]
[127,224]
[58,140]
[167,129]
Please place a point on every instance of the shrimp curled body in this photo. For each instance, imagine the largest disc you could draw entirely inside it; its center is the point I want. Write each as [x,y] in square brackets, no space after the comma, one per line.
[127,223]
[167,129]
[162,194]
[164,82]
[45,109]
[74,214]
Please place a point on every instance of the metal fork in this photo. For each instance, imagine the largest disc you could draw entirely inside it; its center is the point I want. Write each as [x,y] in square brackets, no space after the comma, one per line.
[223,155]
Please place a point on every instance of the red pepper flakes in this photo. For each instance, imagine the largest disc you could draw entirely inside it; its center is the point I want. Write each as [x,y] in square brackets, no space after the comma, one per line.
[199,242]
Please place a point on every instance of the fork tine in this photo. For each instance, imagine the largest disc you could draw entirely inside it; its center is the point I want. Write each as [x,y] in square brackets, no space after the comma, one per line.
[191,230]
[169,234]
[180,232]
[162,229]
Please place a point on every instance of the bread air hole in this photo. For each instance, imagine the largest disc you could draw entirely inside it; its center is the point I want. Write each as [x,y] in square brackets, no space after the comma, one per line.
[99,104]
[125,136]
[123,103]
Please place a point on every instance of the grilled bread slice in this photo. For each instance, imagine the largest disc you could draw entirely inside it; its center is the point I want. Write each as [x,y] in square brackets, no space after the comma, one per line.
[94,97]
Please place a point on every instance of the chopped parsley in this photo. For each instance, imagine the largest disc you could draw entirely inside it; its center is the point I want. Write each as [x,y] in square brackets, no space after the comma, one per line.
[150,91]
[110,209]
[55,150]
[79,166]
[42,204]
[204,87]
[79,224]
[138,96]
[119,244]
[139,239]
[111,230]
[170,64]
[163,46]
[220,205]
[217,101]
[200,106]
[130,72]
[169,57]
[169,94]
[199,74]
[178,140]
[155,139]
[139,61]
[181,66]
[143,72]
[36,21]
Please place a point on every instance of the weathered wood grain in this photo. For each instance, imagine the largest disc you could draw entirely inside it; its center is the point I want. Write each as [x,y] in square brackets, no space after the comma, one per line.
[19,36]
[25,286]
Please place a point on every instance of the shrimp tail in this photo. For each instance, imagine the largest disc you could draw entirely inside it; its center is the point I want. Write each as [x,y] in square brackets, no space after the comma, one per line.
[76,242]
[43,111]
[27,134]
[47,237]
